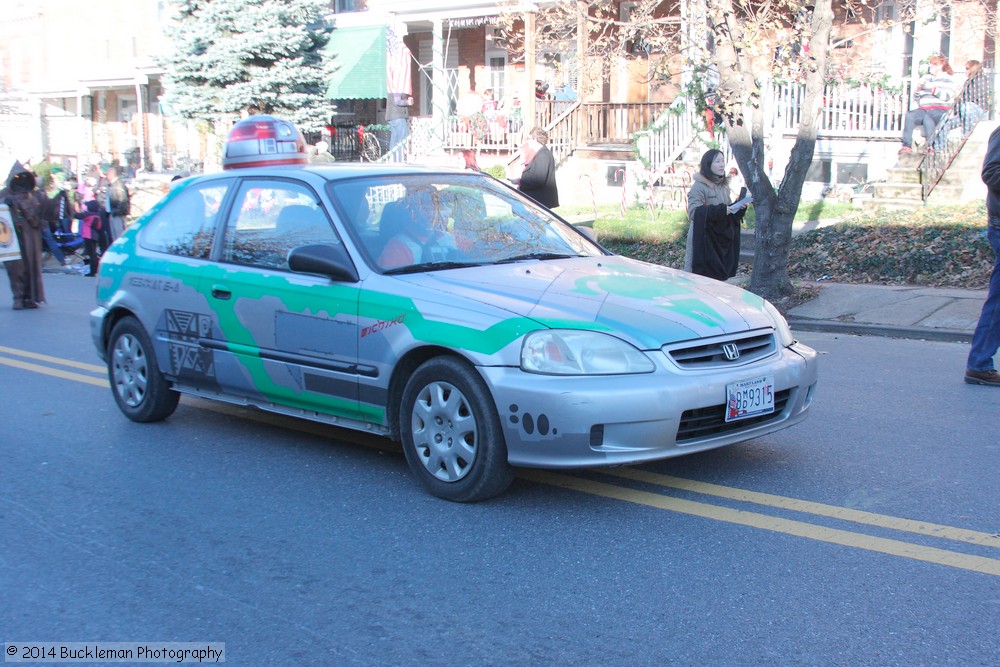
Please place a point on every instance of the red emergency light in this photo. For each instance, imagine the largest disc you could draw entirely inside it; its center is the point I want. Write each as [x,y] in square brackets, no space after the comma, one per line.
[263,141]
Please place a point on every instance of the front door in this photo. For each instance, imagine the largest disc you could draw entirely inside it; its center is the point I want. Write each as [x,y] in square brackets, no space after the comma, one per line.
[291,338]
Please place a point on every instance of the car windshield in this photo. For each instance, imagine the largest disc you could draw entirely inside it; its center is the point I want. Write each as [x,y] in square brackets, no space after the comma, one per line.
[410,223]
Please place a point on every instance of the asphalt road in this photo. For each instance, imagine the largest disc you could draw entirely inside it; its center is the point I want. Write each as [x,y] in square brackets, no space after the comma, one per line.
[867,535]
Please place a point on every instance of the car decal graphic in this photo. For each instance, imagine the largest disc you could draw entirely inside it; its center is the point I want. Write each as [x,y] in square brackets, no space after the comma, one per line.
[532,427]
[155,284]
[672,296]
[377,306]
[184,332]
[380,325]
[307,304]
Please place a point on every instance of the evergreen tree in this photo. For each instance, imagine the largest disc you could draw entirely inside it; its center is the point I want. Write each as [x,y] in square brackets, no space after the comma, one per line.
[231,56]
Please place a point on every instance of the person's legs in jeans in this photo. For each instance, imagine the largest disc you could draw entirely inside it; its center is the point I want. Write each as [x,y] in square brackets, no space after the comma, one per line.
[971,114]
[399,129]
[932,117]
[911,120]
[986,339]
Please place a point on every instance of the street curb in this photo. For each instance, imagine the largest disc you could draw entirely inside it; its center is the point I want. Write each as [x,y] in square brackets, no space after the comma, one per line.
[914,333]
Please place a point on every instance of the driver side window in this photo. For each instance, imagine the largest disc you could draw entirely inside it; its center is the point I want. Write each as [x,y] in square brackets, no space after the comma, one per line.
[269,219]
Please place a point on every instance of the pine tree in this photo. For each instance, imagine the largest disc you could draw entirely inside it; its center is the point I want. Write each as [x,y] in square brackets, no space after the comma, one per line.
[231,56]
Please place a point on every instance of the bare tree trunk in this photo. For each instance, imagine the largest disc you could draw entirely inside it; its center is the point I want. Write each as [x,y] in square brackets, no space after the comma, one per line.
[741,93]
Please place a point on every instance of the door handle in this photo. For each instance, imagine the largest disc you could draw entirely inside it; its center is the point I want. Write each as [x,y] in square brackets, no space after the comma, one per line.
[221,292]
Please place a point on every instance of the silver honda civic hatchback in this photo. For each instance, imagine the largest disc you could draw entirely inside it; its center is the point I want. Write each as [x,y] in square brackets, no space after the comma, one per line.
[440,308]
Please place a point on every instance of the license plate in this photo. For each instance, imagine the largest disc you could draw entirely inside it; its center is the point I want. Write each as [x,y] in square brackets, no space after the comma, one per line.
[749,398]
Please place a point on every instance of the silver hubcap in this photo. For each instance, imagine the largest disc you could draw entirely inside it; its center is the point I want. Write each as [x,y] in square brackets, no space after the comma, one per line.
[444,431]
[130,370]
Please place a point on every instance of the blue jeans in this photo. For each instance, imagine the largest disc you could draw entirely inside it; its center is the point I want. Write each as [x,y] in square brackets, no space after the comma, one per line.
[971,113]
[928,118]
[986,340]
[399,130]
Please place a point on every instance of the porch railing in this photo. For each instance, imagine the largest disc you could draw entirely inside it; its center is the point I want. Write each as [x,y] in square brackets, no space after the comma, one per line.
[586,123]
[668,136]
[973,103]
[616,122]
[848,111]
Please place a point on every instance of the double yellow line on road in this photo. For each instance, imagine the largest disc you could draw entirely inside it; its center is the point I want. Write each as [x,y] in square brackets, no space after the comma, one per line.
[811,531]
[54,372]
[654,498]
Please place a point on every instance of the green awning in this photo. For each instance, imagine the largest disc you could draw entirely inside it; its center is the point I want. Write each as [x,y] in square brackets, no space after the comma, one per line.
[359,55]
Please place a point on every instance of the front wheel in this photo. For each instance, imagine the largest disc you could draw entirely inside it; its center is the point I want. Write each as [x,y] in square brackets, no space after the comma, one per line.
[140,390]
[451,432]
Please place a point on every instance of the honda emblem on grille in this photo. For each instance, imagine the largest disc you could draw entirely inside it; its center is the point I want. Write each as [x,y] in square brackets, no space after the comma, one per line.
[731,351]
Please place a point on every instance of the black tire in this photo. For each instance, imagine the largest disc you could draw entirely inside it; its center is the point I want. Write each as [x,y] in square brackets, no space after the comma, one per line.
[139,388]
[451,432]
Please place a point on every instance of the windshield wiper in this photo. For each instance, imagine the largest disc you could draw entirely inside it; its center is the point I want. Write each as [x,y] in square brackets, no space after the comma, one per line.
[429,266]
[535,255]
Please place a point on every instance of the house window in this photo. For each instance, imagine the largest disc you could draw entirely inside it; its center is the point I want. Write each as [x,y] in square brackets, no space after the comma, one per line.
[343,6]
[126,109]
[885,12]
[820,171]
[427,88]
[852,173]
[498,77]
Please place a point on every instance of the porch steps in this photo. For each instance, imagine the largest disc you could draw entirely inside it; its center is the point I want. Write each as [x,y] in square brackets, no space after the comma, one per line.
[617,152]
[960,183]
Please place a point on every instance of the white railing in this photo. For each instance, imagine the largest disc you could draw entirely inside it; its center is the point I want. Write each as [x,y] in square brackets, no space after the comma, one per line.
[672,132]
[848,111]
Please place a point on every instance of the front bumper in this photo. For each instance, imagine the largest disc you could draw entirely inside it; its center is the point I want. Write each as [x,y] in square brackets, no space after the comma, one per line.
[574,422]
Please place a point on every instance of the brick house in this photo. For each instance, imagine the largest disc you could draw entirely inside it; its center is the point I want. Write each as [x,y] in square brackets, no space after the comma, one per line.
[96,96]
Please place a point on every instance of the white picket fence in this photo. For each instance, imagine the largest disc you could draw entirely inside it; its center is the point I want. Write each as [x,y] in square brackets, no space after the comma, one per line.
[848,112]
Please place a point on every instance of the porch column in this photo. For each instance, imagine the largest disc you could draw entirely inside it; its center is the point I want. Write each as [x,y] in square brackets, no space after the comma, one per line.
[80,124]
[529,66]
[439,83]
[926,38]
[582,81]
[141,128]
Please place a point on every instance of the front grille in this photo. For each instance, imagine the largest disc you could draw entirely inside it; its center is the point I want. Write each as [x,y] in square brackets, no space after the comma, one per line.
[706,422]
[711,354]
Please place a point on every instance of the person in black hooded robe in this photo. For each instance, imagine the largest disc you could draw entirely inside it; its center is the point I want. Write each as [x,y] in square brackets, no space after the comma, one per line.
[27,206]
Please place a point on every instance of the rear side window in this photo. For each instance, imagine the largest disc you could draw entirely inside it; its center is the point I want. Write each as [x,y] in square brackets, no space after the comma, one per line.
[186,225]
[270,218]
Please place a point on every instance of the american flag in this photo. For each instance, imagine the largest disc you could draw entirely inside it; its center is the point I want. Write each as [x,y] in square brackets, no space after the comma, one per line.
[397,65]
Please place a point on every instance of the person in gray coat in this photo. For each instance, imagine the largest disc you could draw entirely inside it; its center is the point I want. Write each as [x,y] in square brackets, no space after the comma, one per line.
[713,243]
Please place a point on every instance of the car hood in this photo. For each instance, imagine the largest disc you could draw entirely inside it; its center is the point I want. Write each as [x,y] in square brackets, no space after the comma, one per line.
[645,304]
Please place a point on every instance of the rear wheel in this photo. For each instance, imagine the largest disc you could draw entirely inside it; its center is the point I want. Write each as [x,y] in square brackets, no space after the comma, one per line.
[451,432]
[371,150]
[140,390]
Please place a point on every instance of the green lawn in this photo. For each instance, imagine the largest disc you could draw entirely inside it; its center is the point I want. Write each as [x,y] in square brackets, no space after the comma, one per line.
[932,246]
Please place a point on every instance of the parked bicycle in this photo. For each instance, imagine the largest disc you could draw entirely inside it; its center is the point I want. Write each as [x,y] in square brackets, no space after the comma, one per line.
[354,143]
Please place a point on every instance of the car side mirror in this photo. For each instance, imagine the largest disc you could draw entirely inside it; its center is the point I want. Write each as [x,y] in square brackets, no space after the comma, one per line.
[330,260]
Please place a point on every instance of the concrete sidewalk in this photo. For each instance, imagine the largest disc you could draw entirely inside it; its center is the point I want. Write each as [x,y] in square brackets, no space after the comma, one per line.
[900,311]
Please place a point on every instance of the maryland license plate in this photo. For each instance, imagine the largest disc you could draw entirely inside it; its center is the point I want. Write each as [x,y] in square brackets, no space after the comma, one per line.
[749,398]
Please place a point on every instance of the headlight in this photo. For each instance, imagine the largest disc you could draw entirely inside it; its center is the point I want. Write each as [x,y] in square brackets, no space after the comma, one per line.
[571,352]
[785,336]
